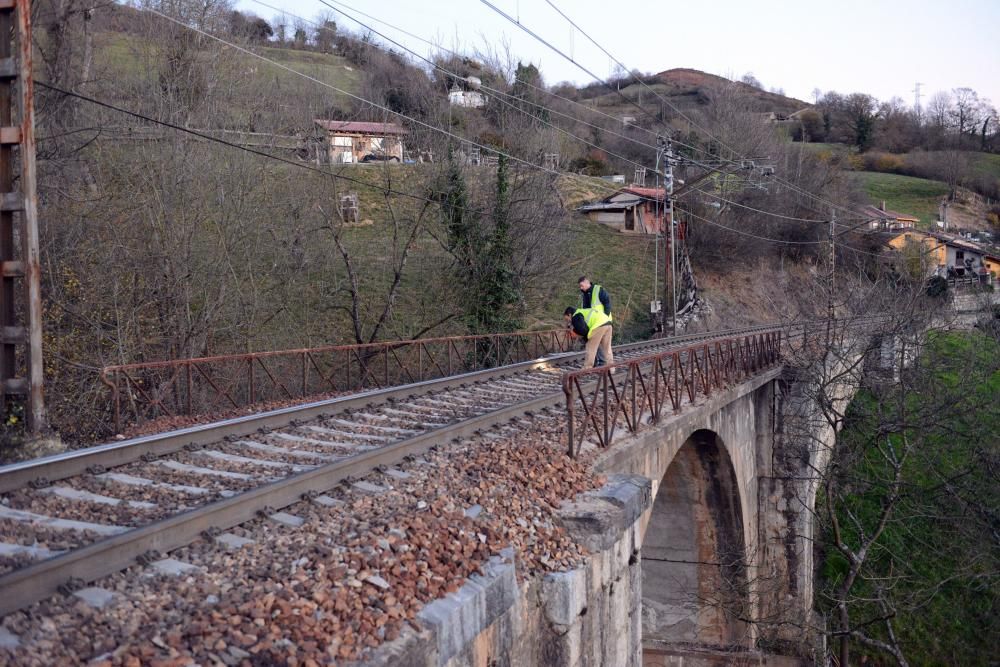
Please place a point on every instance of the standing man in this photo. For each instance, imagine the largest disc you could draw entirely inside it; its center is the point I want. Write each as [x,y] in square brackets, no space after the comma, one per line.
[595,297]
[595,327]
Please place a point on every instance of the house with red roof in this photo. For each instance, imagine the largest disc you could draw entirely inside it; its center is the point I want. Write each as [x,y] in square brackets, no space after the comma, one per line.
[883,219]
[631,210]
[356,141]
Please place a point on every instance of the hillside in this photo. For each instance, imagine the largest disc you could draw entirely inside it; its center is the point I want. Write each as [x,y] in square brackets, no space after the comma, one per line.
[686,89]
[684,80]
[906,194]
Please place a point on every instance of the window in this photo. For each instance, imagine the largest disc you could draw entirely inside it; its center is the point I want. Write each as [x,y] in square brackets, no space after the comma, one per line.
[342,141]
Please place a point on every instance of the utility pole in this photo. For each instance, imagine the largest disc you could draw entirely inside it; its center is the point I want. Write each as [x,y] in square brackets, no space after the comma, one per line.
[657,316]
[832,282]
[669,187]
[916,100]
[20,268]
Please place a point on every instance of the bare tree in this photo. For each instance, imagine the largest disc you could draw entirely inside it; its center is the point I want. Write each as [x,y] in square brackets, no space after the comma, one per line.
[964,112]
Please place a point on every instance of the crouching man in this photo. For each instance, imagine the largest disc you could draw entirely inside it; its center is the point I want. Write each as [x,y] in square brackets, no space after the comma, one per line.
[594,326]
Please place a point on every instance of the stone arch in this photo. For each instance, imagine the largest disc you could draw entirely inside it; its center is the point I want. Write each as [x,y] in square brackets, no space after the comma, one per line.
[694,571]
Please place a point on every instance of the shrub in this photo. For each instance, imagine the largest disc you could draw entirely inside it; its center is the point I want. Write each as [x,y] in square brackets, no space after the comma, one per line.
[884,162]
[937,286]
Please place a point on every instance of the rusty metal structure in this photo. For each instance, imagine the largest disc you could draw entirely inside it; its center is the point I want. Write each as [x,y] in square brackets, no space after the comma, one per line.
[623,395]
[208,385]
[20,274]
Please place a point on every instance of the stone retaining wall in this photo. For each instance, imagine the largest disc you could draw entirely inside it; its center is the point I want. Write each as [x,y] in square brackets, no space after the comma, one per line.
[589,616]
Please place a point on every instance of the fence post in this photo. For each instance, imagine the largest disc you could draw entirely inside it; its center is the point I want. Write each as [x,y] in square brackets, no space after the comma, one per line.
[605,376]
[251,390]
[570,417]
[188,402]
[305,372]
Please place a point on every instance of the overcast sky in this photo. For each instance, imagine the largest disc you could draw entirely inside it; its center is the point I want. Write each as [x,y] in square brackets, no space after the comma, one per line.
[882,47]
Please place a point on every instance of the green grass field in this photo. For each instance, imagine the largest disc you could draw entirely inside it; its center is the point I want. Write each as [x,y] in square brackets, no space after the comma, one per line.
[987,163]
[123,57]
[905,194]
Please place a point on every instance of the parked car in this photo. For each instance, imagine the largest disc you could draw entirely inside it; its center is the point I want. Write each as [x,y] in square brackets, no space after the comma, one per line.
[379,157]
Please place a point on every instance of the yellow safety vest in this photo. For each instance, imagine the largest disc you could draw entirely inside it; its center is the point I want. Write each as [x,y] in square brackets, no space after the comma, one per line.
[594,319]
[595,301]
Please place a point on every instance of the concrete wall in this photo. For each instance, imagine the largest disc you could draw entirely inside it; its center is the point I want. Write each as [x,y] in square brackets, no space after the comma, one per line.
[581,618]
[741,418]
[974,300]
[803,444]
[734,469]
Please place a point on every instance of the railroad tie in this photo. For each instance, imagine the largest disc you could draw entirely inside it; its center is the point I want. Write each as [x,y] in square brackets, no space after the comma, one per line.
[70,493]
[132,480]
[57,523]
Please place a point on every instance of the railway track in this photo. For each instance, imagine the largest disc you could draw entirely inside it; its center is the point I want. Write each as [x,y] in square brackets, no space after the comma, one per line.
[72,518]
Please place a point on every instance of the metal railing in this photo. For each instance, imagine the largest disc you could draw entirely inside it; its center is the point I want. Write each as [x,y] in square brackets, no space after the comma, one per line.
[621,396]
[208,385]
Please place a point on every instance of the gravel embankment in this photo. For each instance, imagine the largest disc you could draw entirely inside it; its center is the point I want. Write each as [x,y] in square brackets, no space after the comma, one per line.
[350,578]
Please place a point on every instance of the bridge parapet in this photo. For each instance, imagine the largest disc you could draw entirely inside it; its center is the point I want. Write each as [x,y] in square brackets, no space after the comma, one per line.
[636,392]
[589,616]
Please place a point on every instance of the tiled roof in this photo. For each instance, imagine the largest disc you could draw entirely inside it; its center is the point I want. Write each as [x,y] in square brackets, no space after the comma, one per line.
[358,127]
[645,193]
[638,193]
[879,214]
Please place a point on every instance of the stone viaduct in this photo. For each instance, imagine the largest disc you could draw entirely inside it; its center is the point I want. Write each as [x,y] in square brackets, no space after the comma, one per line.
[701,549]
[699,542]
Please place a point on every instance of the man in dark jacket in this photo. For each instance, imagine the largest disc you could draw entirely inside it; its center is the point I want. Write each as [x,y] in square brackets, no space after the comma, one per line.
[597,298]
[593,326]
[587,293]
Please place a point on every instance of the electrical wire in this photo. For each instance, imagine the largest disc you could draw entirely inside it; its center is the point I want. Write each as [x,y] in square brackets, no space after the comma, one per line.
[748,234]
[549,45]
[638,80]
[277,158]
[459,55]
[772,214]
[671,105]
[376,105]
[500,94]
[665,101]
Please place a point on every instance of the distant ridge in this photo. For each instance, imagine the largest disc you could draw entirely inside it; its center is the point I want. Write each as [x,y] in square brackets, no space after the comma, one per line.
[687,81]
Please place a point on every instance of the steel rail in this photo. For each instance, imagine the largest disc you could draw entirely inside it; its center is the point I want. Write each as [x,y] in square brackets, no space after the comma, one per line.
[32,583]
[60,466]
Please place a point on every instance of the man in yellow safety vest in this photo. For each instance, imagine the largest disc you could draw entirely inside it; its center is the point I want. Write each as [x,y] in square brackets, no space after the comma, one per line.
[594,296]
[597,298]
[594,326]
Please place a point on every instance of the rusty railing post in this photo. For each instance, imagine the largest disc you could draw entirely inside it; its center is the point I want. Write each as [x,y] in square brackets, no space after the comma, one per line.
[605,377]
[188,402]
[570,417]
[305,371]
[251,394]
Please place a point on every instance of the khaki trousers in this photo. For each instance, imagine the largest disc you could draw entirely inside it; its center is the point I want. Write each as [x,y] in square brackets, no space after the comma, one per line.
[601,338]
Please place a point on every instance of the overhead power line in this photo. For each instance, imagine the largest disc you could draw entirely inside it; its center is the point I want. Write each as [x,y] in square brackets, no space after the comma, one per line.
[502,96]
[271,156]
[376,105]
[521,81]
[748,234]
[214,139]
[712,137]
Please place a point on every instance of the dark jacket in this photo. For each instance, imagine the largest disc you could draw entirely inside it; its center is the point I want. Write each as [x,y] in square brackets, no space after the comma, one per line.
[603,297]
[579,325]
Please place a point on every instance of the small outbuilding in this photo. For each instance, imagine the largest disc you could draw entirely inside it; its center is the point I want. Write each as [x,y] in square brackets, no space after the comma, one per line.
[882,219]
[356,141]
[631,210]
